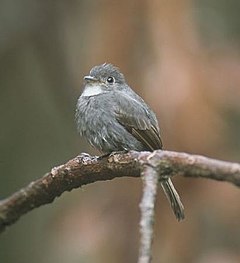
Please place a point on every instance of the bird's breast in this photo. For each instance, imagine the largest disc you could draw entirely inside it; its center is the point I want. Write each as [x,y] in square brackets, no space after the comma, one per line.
[93,113]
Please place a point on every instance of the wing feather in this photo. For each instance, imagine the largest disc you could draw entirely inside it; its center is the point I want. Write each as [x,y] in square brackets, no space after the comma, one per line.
[139,120]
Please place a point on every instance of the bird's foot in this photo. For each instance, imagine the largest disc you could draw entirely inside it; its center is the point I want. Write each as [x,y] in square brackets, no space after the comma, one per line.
[84,157]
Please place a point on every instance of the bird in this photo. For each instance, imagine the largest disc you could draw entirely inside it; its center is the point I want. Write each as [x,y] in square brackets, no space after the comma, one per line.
[113,118]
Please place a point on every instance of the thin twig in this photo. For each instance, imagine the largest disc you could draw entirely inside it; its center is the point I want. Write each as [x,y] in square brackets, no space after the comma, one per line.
[150,182]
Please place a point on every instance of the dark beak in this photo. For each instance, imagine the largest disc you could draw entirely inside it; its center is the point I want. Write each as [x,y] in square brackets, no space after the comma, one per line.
[90,79]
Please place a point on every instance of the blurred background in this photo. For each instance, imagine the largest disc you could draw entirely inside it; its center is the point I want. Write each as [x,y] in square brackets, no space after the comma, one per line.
[183,57]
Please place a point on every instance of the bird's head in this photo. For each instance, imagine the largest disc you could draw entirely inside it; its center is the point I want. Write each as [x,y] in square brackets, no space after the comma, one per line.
[102,79]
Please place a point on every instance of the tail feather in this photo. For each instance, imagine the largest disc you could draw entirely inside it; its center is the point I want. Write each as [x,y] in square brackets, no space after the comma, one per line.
[173,198]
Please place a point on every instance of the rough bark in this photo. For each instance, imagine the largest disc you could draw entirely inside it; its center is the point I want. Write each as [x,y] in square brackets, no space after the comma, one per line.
[85,169]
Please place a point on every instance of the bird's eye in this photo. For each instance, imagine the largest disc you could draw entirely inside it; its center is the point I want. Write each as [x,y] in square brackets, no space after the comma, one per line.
[110,80]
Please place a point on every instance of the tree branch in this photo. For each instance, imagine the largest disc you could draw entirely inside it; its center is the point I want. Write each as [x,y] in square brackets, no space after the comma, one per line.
[85,169]
[150,182]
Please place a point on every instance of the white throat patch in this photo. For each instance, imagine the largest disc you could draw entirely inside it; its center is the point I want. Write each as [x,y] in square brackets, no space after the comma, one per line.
[92,90]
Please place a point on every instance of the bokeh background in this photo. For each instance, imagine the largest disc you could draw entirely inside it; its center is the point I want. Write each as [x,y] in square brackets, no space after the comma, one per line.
[183,57]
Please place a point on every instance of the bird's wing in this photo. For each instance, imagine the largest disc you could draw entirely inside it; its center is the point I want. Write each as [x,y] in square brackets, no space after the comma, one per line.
[139,120]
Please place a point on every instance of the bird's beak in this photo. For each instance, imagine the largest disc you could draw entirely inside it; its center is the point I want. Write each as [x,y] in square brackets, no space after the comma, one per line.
[90,79]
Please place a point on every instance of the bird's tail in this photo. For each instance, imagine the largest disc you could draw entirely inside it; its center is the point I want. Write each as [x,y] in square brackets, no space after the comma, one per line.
[173,198]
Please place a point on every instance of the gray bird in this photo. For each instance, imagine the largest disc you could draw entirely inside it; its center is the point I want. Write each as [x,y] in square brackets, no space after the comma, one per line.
[112,117]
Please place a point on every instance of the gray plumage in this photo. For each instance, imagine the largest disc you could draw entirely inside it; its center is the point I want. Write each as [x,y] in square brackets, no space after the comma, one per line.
[112,117]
